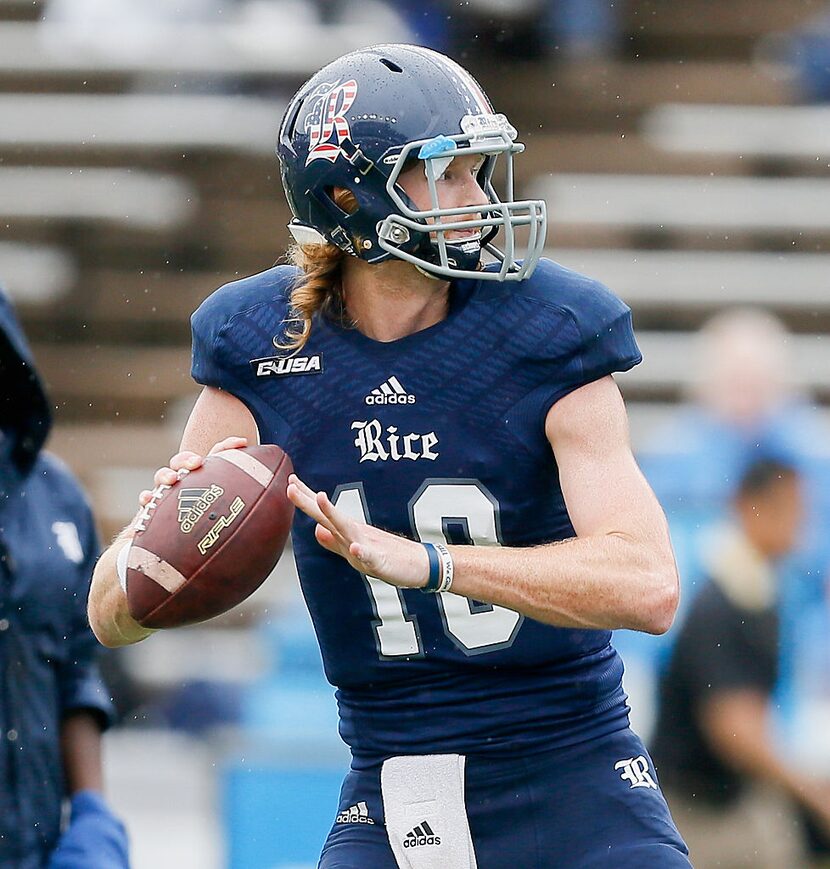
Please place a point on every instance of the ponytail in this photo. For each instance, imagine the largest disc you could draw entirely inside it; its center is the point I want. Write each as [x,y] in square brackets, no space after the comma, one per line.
[319,287]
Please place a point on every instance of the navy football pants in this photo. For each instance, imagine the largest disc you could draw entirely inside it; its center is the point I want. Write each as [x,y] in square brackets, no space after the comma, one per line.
[588,806]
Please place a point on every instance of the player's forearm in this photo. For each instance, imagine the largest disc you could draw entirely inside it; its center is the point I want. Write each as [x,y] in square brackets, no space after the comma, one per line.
[607,581]
[81,750]
[109,615]
[736,725]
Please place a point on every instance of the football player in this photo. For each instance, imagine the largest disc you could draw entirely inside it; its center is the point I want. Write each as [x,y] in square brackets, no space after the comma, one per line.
[471,523]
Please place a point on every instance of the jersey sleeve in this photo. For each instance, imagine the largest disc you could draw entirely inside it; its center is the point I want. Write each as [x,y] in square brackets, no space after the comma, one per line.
[608,343]
[582,333]
[205,325]
[227,335]
[603,339]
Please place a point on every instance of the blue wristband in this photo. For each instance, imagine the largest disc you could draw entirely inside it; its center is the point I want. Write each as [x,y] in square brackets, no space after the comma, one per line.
[434,581]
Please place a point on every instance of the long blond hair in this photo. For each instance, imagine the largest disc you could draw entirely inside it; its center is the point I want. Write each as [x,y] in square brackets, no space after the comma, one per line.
[319,286]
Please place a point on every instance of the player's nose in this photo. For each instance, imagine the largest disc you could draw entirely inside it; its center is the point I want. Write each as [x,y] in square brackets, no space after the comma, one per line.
[473,193]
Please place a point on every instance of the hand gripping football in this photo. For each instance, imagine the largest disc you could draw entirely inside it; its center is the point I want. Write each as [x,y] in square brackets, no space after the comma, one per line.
[206,543]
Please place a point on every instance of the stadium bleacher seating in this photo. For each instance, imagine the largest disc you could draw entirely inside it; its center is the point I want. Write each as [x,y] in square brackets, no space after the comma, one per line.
[702,280]
[130,123]
[690,204]
[137,198]
[34,274]
[769,132]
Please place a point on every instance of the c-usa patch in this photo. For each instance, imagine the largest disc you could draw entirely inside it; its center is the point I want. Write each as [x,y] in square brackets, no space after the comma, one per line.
[270,366]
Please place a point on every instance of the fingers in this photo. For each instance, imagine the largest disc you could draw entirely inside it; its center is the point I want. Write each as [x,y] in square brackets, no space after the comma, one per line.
[326,539]
[183,463]
[293,478]
[317,506]
[186,460]
[304,499]
[371,551]
[337,521]
[165,477]
[231,443]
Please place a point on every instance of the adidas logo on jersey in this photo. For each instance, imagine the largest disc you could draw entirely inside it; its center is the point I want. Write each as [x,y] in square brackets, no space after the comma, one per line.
[357,814]
[390,392]
[421,835]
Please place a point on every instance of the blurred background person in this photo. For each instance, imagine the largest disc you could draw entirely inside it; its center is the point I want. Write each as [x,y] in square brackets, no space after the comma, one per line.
[54,705]
[744,401]
[714,745]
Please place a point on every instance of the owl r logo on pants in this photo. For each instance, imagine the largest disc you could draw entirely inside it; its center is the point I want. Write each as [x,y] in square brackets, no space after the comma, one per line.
[634,770]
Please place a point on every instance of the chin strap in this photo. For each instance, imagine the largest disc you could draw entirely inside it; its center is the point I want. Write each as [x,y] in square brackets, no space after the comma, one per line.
[429,274]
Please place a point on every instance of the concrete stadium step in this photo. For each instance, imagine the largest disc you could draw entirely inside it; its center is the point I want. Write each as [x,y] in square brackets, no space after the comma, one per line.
[146,201]
[94,381]
[21,10]
[36,275]
[139,122]
[130,444]
[703,282]
[785,208]
[665,373]
[613,152]
[791,133]
[696,282]
[704,19]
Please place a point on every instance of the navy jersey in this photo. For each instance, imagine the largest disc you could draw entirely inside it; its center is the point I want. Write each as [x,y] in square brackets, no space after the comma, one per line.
[437,436]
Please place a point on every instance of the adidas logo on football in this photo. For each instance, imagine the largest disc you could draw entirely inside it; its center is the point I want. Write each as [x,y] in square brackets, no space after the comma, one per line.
[421,835]
[194,503]
[390,392]
[358,814]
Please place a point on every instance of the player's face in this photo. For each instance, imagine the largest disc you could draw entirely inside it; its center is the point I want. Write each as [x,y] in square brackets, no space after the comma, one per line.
[773,519]
[458,187]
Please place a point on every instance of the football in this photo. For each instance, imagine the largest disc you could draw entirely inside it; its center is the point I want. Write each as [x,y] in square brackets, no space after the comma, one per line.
[209,541]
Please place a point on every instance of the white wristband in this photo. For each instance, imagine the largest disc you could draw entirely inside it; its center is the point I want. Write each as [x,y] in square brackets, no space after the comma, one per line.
[446,562]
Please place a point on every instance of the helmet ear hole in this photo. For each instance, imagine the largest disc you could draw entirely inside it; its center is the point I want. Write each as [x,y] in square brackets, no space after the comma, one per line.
[344,199]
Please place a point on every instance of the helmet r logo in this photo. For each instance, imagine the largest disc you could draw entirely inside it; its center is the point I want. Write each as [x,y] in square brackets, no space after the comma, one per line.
[327,118]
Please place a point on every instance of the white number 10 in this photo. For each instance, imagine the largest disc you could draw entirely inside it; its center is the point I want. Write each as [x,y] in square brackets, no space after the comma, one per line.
[438,508]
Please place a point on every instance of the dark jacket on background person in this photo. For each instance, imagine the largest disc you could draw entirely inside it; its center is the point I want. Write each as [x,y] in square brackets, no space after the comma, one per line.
[48,547]
[727,642]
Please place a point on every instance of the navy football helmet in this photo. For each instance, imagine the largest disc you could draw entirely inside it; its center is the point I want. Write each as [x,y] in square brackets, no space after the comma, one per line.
[370,115]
